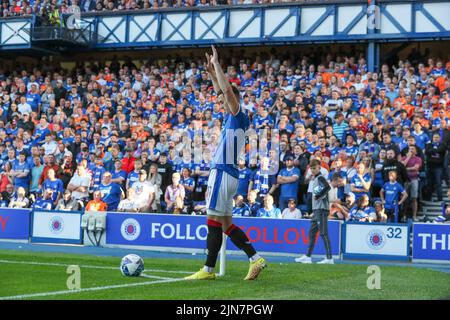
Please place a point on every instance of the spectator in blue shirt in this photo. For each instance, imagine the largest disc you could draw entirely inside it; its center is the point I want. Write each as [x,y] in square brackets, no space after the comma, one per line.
[189,185]
[269,210]
[53,184]
[361,182]
[390,193]
[21,173]
[245,175]
[362,212]
[111,192]
[263,180]
[422,139]
[253,205]
[45,202]
[240,208]
[288,178]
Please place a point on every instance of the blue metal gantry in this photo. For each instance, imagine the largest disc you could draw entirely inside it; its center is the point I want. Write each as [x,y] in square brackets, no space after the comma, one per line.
[338,21]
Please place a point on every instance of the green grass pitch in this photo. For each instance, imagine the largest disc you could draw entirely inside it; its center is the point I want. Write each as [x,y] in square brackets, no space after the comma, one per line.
[32,275]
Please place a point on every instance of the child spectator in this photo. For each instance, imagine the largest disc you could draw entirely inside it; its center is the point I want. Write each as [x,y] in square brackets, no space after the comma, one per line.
[291,212]
[389,195]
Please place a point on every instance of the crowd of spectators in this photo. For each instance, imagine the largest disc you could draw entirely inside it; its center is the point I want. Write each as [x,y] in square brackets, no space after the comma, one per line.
[12,8]
[120,136]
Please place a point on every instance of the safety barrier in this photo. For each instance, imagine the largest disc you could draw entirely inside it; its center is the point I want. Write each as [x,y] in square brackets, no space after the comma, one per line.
[183,233]
[189,232]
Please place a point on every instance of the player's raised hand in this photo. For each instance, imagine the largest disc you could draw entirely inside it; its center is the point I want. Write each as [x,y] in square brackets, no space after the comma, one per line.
[215,56]
[209,66]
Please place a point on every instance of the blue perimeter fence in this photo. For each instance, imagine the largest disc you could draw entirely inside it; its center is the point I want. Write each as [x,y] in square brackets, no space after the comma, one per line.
[421,242]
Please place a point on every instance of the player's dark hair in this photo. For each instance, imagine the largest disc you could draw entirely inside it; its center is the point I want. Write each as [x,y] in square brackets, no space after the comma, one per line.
[314,163]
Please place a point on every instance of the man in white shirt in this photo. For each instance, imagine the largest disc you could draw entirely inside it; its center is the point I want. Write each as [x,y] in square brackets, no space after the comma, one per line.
[79,184]
[128,204]
[50,146]
[23,106]
[144,192]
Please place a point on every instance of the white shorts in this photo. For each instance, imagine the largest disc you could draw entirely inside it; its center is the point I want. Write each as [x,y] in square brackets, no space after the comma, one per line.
[222,187]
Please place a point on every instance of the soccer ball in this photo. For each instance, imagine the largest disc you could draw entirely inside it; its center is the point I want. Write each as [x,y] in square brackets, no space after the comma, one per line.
[132,265]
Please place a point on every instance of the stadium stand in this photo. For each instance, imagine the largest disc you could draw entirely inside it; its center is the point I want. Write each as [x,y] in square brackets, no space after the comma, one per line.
[63,129]
[118,118]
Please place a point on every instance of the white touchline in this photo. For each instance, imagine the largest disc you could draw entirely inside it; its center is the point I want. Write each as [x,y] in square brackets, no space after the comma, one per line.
[84,266]
[54,293]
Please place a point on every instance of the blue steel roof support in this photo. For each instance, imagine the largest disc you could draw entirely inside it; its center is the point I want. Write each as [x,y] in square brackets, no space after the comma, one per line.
[279,23]
[372,28]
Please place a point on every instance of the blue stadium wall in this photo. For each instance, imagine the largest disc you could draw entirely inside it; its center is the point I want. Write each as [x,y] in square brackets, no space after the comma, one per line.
[250,25]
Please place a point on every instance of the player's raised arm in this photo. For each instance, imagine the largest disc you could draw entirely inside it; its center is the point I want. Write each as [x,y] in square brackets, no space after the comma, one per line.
[231,101]
[212,73]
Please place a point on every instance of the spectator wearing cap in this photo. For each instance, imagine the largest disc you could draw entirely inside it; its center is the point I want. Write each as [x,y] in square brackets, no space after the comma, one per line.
[21,173]
[291,212]
[288,178]
[25,122]
[269,210]
[67,203]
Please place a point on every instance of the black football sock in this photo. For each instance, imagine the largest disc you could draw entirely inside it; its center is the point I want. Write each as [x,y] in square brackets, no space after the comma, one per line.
[240,240]
[213,242]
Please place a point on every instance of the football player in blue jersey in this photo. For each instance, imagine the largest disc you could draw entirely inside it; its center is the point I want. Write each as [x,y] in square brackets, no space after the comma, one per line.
[223,180]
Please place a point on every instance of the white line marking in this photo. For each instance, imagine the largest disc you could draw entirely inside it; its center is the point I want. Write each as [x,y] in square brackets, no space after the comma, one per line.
[153,277]
[54,293]
[85,266]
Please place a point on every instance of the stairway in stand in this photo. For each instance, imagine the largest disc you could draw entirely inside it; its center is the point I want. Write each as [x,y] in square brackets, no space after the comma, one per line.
[431,209]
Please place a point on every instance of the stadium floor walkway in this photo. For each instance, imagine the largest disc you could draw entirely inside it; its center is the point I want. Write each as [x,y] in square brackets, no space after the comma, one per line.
[118,252]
